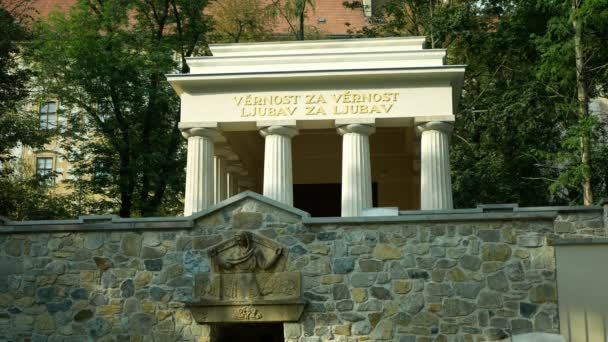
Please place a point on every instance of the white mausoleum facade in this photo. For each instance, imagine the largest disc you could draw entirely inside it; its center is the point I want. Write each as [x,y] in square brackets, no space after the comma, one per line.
[351,124]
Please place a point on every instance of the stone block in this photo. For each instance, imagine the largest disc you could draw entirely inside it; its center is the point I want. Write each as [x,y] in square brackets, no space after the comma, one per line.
[467,290]
[131,244]
[345,305]
[386,252]
[456,275]
[498,282]
[343,330]
[380,293]
[491,266]
[127,288]
[439,289]
[153,264]
[438,252]
[489,300]
[359,295]
[412,303]
[292,330]
[55,267]
[343,265]
[520,326]
[370,305]
[319,249]
[247,219]
[331,279]
[544,293]
[543,322]
[340,291]
[361,328]
[402,286]
[564,227]
[425,319]
[362,279]
[351,317]
[83,315]
[495,252]
[103,263]
[108,310]
[531,241]
[204,242]
[44,322]
[14,247]
[527,310]
[370,265]
[453,307]
[383,331]
[489,235]
[141,323]
[444,263]
[93,241]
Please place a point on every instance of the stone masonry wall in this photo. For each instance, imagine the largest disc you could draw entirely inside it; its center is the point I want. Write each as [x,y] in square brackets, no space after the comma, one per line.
[405,281]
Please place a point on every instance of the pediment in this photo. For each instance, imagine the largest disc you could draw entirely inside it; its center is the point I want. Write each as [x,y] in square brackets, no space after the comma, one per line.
[245,205]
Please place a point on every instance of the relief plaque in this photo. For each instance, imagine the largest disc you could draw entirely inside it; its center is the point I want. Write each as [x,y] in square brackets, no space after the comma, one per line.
[248,282]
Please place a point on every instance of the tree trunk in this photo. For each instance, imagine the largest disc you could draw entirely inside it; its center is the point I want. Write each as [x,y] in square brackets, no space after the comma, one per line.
[302,15]
[125,185]
[583,103]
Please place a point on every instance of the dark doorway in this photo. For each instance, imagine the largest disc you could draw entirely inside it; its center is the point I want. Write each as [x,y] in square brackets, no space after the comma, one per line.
[250,332]
[323,200]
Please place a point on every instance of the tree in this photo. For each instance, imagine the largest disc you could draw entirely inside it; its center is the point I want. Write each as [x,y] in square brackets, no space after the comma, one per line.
[16,125]
[575,68]
[294,14]
[106,61]
[243,20]
[22,195]
[512,125]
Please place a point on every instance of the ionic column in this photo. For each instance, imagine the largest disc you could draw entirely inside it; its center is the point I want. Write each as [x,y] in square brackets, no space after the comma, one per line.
[356,169]
[435,179]
[235,173]
[231,184]
[278,178]
[219,179]
[199,169]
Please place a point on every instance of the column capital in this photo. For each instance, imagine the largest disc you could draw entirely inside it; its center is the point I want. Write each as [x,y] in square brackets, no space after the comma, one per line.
[446,127]
[356,128]
[286,131]
[200,132]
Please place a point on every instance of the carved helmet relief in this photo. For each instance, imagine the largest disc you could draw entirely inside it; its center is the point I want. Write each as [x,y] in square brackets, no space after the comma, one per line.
[248,282]
[246,252]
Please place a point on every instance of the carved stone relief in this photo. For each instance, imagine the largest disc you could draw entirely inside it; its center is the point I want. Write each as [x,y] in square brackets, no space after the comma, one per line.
[248,283]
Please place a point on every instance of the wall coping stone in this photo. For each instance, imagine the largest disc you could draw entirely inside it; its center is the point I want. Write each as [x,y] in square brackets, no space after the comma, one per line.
[483,212]
[114,222]
[251,195]
[577,242]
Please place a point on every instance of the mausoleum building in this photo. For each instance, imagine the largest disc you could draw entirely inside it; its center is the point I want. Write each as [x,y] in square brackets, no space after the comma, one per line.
[318,208]
[367,122]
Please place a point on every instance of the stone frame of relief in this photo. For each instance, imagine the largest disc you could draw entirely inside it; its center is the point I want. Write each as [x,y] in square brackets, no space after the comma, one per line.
[248,283]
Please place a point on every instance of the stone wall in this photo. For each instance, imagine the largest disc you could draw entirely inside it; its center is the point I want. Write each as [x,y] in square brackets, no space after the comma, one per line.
[475,278]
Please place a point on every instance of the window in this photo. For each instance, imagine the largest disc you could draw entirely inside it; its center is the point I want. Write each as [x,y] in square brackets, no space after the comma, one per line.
[48,115]
[44,169]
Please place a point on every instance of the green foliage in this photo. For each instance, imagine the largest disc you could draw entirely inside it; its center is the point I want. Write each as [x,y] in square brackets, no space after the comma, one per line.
[21,196]
[106,61]
[517,136]
[26,197]
[294,14]
[16,125]
[242,20]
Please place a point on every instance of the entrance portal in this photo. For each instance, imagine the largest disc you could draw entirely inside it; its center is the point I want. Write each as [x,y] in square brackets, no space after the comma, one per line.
[250,332]
[323,200]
